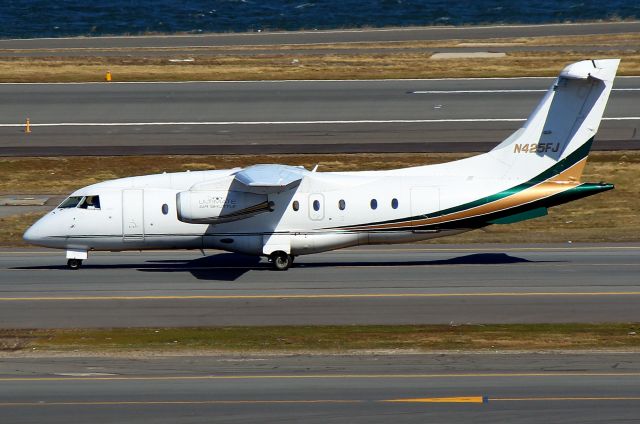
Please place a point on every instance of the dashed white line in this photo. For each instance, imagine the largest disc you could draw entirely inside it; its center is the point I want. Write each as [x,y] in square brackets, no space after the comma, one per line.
[328,122]
[498,91]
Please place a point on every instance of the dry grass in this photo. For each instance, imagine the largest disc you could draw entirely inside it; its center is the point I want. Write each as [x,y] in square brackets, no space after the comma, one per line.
[331,339]
[318,66]
[64,174]
[613,216]
[13,227]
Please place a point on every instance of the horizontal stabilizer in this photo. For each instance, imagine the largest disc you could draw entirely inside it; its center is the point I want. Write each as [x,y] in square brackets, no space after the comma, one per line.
[598,69]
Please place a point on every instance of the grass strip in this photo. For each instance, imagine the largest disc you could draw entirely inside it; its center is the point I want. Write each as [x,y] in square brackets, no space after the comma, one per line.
[328,339]
[347,60]
[608,217]
[285,65]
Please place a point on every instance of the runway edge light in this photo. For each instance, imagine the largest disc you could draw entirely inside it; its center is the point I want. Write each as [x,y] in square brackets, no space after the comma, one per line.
[107,76]
[27,126]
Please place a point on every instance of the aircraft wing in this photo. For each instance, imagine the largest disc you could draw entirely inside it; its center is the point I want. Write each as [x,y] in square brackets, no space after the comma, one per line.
[265,179]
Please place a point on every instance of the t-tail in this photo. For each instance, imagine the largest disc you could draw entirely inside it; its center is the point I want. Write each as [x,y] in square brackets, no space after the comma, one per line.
[556,139]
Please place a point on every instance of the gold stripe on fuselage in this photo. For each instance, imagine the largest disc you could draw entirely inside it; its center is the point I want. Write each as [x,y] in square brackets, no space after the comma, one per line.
[565,180]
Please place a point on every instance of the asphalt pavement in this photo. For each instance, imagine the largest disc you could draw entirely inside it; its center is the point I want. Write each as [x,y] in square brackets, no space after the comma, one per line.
[370,35]
[444,387]
[457,115]
[414,284]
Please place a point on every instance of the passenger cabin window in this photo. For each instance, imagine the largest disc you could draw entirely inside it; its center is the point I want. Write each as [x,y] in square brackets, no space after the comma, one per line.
[374,204]
[342,204]
[90,202]
[70,202]
[165,209]
[296,205]
[394,203]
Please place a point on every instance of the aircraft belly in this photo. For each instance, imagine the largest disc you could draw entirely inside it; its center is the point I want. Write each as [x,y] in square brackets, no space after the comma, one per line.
[302,244]
[115,243]
[250,244]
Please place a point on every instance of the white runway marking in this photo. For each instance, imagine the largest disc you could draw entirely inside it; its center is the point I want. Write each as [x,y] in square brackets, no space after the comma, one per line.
[498,91]
[85,374]
[360,121]
[327,122]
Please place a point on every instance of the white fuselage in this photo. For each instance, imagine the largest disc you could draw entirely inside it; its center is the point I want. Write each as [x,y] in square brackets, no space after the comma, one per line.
[140,213]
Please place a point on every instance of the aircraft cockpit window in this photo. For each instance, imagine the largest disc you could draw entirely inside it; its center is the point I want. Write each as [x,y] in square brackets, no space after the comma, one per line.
[70,202]
[90,202]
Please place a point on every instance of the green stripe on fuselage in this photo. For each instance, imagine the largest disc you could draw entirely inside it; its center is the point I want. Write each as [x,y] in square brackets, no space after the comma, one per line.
[562,165]
[522,216]
[574,193]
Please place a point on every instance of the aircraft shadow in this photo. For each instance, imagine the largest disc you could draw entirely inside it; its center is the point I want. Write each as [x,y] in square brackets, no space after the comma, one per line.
[221,267]
[231,266]
[473,259]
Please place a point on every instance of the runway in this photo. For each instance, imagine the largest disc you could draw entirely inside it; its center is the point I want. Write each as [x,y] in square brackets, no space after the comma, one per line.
[133,45]
[457,115]
[523,388]
[415,284]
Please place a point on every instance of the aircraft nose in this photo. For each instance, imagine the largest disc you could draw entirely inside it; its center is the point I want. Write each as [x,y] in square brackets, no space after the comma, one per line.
[34,234]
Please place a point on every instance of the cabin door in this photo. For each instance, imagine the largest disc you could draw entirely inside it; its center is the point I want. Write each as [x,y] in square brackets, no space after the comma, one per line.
[132,215]
[424,200]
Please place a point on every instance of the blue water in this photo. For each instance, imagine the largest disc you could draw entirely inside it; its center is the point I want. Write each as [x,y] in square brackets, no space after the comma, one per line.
[62,18]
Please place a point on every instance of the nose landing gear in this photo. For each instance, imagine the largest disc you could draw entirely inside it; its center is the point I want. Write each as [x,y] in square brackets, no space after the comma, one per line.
[74,263]
[75,258]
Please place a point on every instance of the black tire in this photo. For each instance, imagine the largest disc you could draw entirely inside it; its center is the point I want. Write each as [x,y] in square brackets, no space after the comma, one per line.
[281,261]
[74,263]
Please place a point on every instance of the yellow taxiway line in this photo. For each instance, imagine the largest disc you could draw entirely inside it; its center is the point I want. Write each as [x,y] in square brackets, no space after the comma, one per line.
[320,376]
[176,402]
[563,398]
[457,399]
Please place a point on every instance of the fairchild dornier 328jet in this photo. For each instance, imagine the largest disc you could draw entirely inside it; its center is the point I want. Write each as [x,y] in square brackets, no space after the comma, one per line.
[281,211]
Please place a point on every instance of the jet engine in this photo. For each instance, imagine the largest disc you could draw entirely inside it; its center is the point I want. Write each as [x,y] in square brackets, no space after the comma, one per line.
[217,206]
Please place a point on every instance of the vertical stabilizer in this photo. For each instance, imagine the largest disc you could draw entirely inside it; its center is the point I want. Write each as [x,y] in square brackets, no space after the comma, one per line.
[557,136]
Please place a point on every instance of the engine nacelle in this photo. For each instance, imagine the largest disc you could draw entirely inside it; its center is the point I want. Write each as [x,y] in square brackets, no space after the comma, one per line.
[216,206]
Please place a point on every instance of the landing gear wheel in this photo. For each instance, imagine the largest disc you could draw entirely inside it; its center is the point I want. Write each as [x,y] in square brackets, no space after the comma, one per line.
[281,261]
[74,263]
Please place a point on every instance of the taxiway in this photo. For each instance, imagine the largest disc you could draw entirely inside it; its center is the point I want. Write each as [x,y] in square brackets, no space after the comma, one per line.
[446,387]
[458,115]
[416,284]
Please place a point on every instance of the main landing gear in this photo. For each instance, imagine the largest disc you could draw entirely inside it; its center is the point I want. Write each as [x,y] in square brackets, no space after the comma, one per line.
[74,263]
[281,261]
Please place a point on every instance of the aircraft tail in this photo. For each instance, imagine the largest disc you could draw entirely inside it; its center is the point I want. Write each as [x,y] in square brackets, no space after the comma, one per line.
[557,137]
